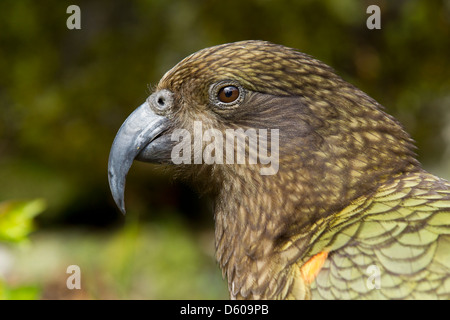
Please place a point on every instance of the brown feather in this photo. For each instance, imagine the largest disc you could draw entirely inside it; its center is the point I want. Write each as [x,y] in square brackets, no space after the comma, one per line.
[336,144]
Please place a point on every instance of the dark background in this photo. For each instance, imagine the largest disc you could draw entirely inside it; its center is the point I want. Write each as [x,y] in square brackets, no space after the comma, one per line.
[64,94]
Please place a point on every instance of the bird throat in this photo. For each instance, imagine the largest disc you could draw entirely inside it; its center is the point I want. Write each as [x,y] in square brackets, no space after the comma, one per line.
[259,217]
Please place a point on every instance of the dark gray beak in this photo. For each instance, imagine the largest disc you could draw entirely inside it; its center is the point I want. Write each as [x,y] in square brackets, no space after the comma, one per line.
[142,137]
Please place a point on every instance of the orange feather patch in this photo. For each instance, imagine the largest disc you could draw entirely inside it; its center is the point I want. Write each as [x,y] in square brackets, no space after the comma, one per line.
[312,267]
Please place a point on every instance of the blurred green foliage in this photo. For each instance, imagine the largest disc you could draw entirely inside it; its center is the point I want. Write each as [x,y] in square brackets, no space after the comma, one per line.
[64,94]
[16,223]
[16,219]
[138,261]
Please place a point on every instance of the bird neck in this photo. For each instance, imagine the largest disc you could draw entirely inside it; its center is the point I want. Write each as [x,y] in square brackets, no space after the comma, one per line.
[251,218]
[257,217]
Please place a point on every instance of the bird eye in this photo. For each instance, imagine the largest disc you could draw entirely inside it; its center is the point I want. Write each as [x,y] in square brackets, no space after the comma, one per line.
[228,94]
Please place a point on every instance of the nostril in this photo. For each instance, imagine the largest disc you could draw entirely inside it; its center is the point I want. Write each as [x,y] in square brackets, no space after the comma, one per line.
[162,100]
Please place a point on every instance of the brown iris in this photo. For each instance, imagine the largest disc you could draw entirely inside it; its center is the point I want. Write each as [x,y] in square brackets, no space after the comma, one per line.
[228,94]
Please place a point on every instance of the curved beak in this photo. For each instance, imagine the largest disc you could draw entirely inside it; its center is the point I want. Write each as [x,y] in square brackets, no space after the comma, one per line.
[140,136]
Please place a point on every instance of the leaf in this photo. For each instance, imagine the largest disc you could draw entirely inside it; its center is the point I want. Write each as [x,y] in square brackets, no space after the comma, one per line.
[16,218]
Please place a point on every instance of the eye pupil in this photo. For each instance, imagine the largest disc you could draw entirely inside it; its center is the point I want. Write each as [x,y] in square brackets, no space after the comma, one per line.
[228,94]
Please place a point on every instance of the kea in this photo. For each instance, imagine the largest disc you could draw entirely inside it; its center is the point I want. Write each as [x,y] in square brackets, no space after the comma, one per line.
[317,191]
